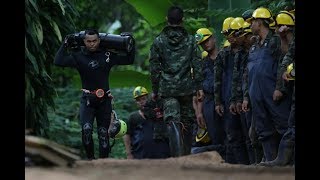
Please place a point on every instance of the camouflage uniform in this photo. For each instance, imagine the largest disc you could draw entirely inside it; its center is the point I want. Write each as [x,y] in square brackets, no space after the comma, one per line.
[270,116]
[172,55]
[223,69]
[237,91]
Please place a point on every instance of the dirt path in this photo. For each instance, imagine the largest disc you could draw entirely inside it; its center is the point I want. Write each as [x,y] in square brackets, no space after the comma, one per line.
[207,165]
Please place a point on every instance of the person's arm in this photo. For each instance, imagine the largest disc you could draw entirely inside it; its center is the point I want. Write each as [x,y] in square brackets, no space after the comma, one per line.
[155,67]
[245,81]
[236,82]
[275,46]
[288,58]
[127,138]
[198,108]
[217,82]
[64,58]
[196,65]
[127,144]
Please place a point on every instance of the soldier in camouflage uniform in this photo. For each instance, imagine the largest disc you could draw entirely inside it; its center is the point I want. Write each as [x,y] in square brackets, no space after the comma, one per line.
[242,32]
[236,148]
[286,148]
[270,114]
[172,55]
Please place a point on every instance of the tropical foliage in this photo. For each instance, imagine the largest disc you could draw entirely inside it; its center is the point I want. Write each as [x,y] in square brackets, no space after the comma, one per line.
[45,22]
[52,93]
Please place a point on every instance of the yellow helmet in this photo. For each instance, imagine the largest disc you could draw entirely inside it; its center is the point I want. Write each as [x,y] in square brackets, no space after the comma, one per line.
[204,54]
[226,43]
[202,34]
[246,27]
[261,13]
[226,24]
[291,72]
[272,25]
[139,91]
[236,23]
[285,18]
[202,135]
[118,127]
[293,11]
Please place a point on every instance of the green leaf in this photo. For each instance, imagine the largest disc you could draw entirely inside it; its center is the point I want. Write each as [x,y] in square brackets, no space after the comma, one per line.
[153,11]
[34,5]
[32,60]
[56,29]
[62,7]
[37,28]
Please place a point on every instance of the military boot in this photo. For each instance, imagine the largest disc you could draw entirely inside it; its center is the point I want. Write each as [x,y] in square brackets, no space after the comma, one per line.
[270,148]
[175,139]
[285,155]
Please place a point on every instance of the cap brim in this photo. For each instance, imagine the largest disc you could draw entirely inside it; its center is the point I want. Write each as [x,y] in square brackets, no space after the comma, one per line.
[249,20]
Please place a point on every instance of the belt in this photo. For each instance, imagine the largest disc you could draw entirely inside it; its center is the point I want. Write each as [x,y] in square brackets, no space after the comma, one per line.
[98,92]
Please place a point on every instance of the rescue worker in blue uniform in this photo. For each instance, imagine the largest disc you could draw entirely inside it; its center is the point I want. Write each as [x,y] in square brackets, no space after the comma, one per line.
[270,115]
[214,123]
[223,69]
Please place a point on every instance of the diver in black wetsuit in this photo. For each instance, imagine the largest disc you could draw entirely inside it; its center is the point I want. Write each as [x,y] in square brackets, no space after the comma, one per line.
[93,63]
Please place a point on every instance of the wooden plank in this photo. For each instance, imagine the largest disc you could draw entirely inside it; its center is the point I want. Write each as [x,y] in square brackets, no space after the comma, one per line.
[56,153]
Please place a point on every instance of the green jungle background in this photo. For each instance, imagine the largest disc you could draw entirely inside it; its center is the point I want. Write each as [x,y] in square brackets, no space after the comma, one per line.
[52,93]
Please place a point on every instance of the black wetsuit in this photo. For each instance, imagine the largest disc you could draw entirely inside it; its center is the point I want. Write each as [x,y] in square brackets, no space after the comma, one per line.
[94,68]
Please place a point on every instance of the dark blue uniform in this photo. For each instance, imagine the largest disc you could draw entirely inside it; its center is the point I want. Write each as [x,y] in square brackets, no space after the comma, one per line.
[236,148]
[143,143]
[270,116]
[214,122]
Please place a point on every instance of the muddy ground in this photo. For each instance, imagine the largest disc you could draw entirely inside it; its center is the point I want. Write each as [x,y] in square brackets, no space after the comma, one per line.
[204,166]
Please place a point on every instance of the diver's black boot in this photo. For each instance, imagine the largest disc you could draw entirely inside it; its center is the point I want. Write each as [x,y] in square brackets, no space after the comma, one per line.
[175,139]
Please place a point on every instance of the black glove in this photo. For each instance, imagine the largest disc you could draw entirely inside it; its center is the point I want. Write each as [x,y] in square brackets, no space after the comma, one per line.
[131,35]
[70,42]
[126,34]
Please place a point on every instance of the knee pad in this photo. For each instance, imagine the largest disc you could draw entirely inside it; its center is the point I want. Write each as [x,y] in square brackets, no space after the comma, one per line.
[87,133]
[103,136]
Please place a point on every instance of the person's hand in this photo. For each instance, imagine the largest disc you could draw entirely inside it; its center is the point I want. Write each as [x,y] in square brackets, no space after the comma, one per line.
[131,35]
[233,109]
[219,109]
[245,106]
[66,41]
[282,31]
[154,96]
[200,95]
[286,76]
[277,95]
[239,107]
[126,34]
